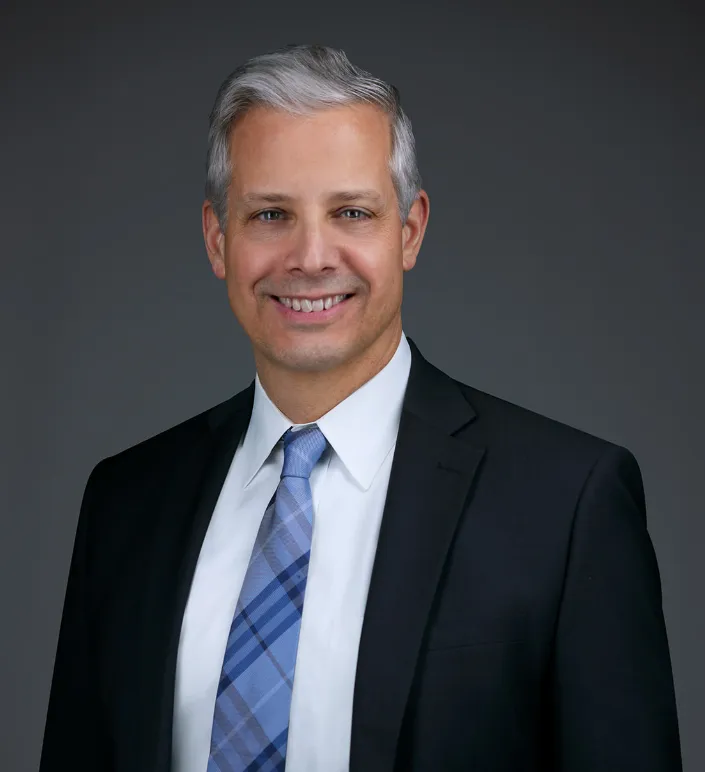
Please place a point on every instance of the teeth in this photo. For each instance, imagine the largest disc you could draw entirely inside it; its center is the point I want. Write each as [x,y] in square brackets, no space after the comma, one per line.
[307,306]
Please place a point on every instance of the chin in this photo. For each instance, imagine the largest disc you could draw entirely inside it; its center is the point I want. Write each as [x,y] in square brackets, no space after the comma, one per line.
[313,357]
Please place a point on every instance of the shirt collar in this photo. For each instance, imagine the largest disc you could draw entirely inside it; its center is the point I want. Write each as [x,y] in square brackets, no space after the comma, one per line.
[361,429]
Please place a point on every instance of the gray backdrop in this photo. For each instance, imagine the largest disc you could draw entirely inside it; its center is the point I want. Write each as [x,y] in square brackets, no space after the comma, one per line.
[562,269]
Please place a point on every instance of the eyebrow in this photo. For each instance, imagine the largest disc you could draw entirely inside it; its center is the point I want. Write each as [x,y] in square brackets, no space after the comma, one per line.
[340,195]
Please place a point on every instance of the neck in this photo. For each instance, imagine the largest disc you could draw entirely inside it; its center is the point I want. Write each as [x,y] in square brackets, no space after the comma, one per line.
[304,396]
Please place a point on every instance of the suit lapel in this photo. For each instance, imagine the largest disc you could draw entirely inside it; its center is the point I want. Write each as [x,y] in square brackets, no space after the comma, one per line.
[430,481]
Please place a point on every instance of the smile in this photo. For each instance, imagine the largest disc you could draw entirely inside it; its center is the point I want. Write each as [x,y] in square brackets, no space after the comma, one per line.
[311,310]
[308,305]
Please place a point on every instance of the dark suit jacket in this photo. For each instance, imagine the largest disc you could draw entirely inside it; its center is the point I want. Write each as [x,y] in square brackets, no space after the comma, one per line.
[514,616]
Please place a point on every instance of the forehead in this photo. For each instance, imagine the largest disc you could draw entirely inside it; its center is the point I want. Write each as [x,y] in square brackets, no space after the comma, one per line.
[345,145]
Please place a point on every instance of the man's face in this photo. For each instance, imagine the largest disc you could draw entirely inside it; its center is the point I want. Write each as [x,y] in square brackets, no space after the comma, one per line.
[313,215]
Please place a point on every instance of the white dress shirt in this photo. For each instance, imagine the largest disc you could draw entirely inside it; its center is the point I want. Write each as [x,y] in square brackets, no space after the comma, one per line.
[349,487]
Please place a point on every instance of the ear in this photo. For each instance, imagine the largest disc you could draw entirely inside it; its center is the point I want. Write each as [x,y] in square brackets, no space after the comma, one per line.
[414,229]
[215,240]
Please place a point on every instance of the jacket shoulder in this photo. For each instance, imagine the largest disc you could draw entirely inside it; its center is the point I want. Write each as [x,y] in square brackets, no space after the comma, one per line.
[502,423]
[159,449]
[546,457]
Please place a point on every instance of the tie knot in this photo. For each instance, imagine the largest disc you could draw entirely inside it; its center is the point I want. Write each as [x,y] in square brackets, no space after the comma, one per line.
[301,451]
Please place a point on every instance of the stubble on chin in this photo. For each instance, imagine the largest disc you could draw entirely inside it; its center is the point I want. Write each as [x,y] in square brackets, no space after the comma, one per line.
[307,358]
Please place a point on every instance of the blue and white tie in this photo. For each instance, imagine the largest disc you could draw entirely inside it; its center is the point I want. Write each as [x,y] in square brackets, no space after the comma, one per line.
[251,719]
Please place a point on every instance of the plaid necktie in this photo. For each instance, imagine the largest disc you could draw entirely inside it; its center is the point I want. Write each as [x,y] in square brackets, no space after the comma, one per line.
[251,719]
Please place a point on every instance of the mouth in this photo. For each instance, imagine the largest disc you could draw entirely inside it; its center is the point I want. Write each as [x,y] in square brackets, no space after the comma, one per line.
[311,309]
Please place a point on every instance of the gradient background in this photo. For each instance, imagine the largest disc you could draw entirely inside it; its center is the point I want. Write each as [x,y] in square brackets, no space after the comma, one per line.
[562,269]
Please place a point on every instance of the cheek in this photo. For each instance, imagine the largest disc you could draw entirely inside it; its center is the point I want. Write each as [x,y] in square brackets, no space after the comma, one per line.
[382,270]
[243,270]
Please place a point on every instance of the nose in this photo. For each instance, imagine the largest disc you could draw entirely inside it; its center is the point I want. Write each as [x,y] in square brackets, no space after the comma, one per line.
[312,251]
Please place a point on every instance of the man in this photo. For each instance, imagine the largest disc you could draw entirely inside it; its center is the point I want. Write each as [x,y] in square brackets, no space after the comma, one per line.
[357,562]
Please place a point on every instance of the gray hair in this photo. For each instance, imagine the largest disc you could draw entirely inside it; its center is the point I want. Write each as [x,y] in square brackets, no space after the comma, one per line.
[301,79]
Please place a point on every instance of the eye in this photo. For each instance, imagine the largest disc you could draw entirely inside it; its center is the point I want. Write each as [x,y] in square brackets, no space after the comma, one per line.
[263,216]
[357,214]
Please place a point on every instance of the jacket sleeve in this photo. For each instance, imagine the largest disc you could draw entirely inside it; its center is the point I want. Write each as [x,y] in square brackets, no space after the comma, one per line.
[74,734]
[615,708]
